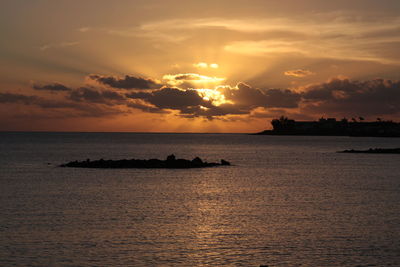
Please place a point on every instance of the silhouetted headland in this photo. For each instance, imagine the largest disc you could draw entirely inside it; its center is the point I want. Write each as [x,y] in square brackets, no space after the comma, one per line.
[333,127]
[170,163]
[374,151]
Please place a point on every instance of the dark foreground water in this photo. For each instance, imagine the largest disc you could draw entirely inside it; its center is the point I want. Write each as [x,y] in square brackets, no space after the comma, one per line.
[287,201]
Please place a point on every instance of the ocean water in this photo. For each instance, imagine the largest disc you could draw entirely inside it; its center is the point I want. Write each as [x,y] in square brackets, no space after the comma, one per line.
[286,201]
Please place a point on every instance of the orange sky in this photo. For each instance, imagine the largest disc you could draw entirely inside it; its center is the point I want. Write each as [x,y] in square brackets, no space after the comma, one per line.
[195,66]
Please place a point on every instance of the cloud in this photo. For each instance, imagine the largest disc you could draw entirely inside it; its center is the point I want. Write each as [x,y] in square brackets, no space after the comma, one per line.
[17,98]
[299,73]
[337,97]
[240,25]
[191,77]
[203,65]
[63,107]
[190,103]
[139,104]
[335,36]
[325,47]
[54,87]
[271,47]
[249,97]
[128,82]
[212,111]
[192,80]
[107,97]
[210,103]
[57,45]
[353,98]
[84,29]
[171,98]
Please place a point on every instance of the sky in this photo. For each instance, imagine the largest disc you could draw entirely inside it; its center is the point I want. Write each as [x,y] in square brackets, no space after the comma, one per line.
[195,66]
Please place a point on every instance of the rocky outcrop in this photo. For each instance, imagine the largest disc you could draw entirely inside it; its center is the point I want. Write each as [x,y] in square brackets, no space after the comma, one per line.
[170,163]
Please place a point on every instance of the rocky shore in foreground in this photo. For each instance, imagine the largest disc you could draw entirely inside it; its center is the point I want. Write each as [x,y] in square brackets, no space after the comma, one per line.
[374,151]
[170,163]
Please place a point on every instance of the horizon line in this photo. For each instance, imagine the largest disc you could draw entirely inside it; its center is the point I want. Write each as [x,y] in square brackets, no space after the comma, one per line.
[33,131]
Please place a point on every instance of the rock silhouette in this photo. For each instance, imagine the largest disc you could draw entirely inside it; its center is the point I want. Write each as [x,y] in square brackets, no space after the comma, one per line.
[170,163]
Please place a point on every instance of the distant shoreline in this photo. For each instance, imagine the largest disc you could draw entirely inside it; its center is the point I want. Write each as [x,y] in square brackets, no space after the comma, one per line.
[272,132]
[374,151]
[333,127]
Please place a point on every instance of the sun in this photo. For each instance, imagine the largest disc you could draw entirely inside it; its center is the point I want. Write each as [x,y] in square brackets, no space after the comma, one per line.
[212,95]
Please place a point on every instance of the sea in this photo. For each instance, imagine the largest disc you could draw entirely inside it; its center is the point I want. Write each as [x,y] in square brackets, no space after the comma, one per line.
[285,201]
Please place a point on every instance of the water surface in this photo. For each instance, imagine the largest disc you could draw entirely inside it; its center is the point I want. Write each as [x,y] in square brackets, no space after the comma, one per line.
[287,201]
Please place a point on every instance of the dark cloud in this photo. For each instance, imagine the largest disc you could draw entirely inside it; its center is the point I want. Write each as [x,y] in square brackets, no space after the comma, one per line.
[281,98]
[171,98]
[188,102]
[353,98]
[66,108]
[213,111]
[11,98]
[240,100]
[85,94]
[54,87]
[17,98]
[338,97]
[249,97]
[187,76]
[128,82]
[146,108]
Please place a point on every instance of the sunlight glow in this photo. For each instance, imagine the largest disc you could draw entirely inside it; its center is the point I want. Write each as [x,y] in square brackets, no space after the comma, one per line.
[193,79]
[215,96]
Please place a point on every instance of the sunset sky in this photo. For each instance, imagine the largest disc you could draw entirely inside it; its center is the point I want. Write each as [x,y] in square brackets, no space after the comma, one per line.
[195,66]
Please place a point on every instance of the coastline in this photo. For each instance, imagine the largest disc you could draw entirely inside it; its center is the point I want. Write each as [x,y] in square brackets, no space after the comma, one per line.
[272,132]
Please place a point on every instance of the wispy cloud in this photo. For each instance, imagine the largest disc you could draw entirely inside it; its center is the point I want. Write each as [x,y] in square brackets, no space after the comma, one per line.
[340,49]
[204,65]
[326,35]
[57,45]
[53,87]
[84,29]
[299,73]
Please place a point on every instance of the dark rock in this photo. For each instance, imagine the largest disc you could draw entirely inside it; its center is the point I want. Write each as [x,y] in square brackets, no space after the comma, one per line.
[197,161]
[171,158]
[225,163]
[170,163]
